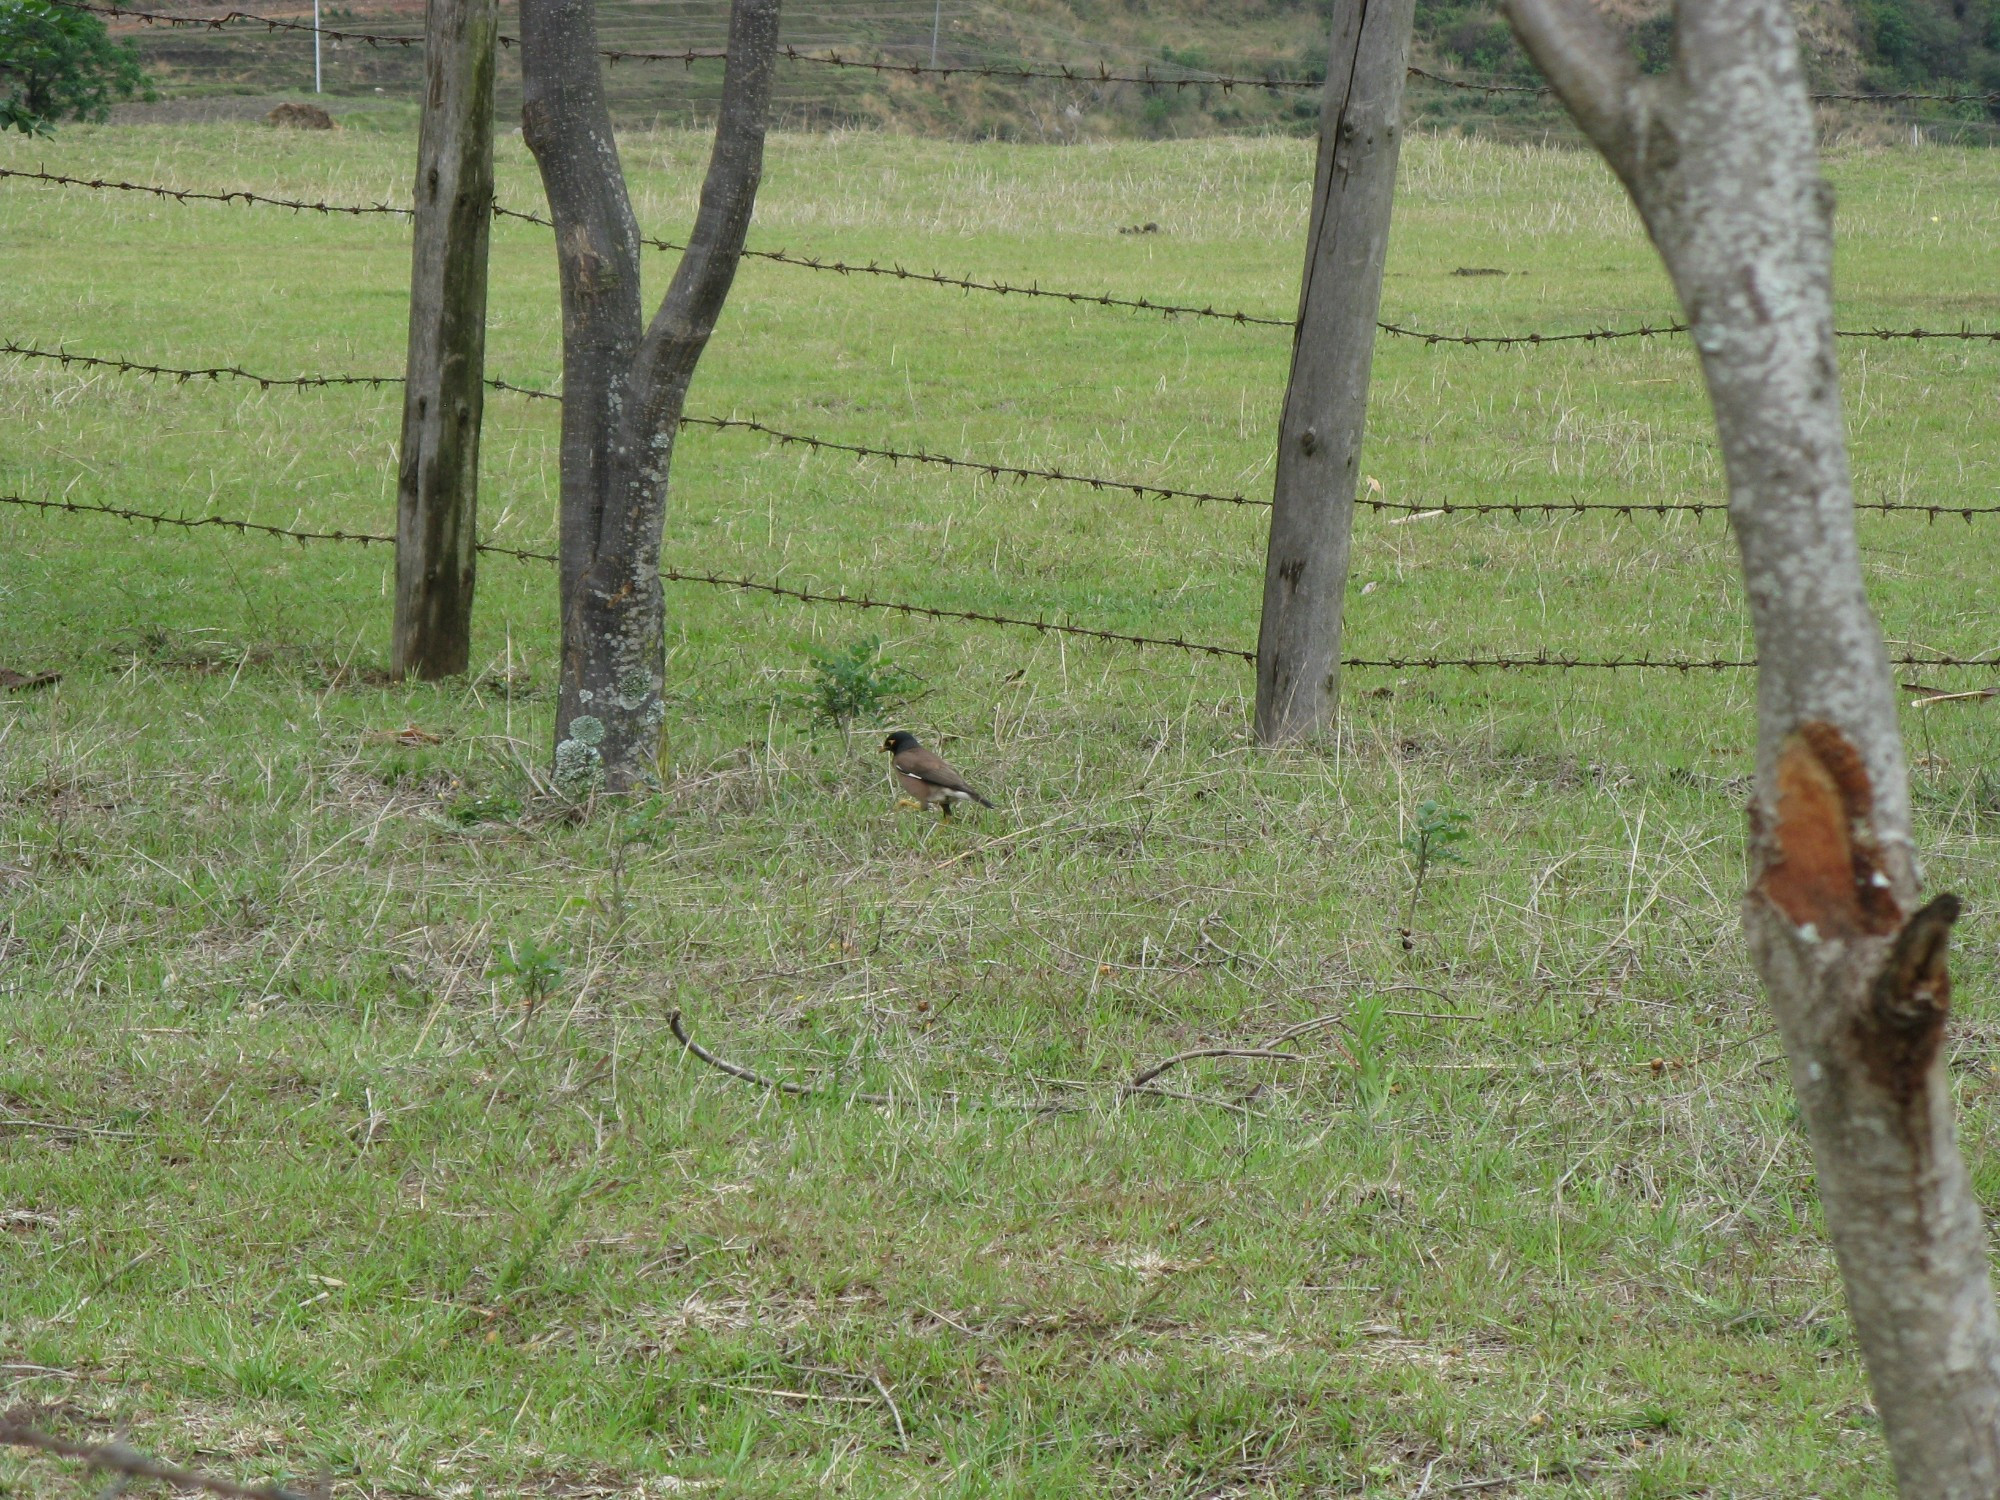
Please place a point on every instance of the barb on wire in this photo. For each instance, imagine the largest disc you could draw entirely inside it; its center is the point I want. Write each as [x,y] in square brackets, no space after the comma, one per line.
[1543,659]
[1088,73]
[116,1458]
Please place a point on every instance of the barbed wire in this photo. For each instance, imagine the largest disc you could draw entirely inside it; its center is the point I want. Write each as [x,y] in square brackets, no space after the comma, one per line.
[236,18]
[182,374]
[119,1459]
[1478,86]
[1542,659]
[190,195]
[1089,73]
[1957,96]
[1631,508]
[973,465]
[1001,288]
[193,523]
[963,283]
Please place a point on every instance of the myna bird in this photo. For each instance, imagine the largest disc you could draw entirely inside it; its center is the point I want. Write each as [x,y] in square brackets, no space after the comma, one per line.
[927,776]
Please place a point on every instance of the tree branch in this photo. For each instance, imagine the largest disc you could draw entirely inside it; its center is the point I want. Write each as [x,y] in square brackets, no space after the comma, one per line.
[1586,62]
[687,315]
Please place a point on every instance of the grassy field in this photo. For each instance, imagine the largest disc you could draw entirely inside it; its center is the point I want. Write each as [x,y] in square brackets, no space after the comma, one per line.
[342,1121]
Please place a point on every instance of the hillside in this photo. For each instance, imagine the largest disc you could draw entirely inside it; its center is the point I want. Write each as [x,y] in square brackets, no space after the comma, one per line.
[1873,45]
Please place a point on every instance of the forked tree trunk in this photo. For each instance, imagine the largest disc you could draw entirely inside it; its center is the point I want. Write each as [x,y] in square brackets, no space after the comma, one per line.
[1326,399]
[1718,155]
[624,383]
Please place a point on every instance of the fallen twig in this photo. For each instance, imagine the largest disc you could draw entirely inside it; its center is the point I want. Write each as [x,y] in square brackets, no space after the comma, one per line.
[1260,1054]
[806,1091]
[737,1070]
[1140,1085]
[902,1435]
[1985,692]
[17,1122]
[119,1459]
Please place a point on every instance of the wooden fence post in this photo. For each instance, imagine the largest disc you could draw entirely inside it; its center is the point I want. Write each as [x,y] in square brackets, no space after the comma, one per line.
[438,480]
[1319,438]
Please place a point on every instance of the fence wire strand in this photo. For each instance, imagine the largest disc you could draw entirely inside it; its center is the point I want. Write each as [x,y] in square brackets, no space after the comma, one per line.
[897,272]
[1416,509]
[1543,659]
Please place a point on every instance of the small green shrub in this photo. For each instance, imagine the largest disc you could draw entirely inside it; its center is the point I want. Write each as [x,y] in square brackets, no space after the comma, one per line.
[469,809]
[854,682]
[1432,839]
[535,967]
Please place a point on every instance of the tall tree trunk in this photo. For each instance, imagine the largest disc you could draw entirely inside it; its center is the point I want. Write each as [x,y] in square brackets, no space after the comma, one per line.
[624,384]
[437,483]
[1326,400]
[1718,155]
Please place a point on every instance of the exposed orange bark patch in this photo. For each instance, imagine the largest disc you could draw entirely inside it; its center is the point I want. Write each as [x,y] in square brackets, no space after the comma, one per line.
[1904,1025]
[1824,872]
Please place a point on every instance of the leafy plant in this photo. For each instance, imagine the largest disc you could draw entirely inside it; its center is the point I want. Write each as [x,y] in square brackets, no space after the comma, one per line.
[57,64]
[535,967]
[1432,839]
[469,809]
[1368,1025]
[530,1245]
[854,681]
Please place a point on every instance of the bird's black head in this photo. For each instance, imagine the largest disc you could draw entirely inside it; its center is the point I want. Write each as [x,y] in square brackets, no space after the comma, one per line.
[900,741]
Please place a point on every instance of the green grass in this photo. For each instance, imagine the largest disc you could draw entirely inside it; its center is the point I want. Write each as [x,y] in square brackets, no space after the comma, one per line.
[362,1138]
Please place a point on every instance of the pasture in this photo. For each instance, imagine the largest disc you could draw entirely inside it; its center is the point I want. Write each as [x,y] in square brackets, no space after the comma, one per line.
[340,1119]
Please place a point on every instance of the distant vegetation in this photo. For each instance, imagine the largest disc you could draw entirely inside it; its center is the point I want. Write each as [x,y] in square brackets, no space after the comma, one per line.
[1877,45]
[59,64]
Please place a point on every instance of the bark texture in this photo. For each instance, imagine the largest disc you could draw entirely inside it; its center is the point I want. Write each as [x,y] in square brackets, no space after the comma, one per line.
[624,383]
[437,483]
[1718,155]
[1326,401]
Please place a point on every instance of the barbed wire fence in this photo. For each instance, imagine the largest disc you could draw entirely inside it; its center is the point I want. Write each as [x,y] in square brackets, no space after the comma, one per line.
[969,285]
